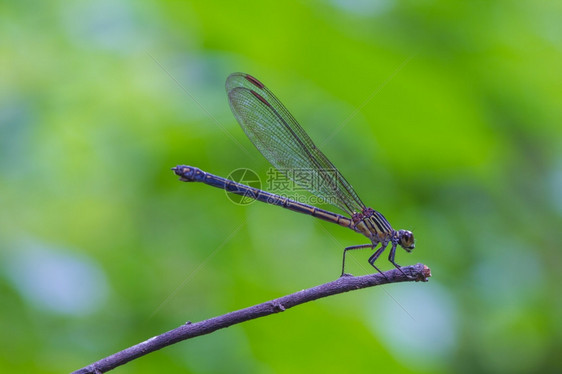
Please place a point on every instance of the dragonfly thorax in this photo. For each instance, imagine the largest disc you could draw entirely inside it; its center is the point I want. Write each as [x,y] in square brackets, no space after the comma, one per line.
[373,225]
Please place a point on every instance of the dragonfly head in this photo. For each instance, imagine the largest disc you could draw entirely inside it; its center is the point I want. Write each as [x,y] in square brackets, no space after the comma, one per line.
[406,240]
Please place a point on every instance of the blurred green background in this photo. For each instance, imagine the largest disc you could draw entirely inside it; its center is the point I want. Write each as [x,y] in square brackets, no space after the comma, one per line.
[445,116]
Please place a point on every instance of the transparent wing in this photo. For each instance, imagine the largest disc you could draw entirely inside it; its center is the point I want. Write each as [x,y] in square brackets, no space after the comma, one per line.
[284,143]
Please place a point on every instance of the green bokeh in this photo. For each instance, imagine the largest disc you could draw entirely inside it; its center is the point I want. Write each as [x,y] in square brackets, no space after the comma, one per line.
[445,116]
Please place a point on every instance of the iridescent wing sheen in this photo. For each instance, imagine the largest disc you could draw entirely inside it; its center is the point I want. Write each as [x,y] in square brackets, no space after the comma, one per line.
[284,143]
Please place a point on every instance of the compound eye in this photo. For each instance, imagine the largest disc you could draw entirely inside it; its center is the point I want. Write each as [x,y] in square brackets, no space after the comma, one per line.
[407,239]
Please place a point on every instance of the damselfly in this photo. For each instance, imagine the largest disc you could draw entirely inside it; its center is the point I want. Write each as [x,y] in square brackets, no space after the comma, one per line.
[284,143]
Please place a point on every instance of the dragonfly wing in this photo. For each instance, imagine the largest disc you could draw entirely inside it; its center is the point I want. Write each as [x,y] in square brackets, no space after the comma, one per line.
[284,143]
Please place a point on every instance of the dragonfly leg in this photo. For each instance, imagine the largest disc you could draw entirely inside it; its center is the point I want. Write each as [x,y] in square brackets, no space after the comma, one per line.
[351,248]
[376,255]
[391,259]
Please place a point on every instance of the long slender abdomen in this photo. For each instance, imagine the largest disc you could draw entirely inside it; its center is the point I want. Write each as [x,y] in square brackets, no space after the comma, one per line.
[193,174]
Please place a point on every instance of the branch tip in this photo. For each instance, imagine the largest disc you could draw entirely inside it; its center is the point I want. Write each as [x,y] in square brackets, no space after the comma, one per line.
[426,272]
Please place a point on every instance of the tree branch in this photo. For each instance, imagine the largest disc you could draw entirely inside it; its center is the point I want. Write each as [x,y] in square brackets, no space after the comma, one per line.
[418,272]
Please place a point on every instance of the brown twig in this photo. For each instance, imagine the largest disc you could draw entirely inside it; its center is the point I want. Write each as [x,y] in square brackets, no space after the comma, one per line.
[418,272]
